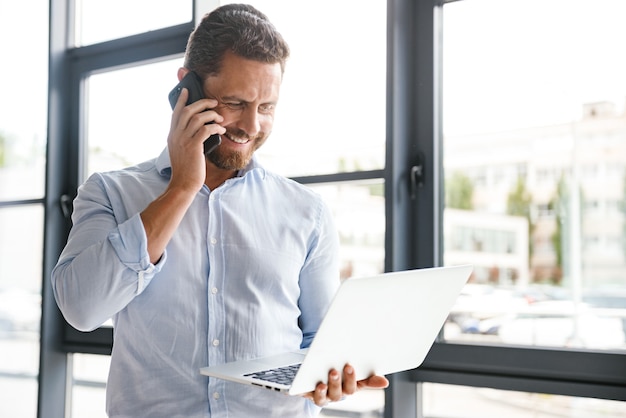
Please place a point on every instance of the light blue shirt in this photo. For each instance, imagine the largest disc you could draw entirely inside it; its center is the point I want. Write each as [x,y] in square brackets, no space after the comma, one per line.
[250,272]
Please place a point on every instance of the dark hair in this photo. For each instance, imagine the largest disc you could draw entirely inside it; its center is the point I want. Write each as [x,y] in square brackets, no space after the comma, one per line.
[239,28]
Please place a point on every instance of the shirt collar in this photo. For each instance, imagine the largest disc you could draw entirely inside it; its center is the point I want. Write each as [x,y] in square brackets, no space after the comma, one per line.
[164,165]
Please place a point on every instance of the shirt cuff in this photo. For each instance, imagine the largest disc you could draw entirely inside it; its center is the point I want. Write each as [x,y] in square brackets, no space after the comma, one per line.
[131,246]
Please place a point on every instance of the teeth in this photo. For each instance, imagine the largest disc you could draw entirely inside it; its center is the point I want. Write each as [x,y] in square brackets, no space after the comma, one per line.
[238,140]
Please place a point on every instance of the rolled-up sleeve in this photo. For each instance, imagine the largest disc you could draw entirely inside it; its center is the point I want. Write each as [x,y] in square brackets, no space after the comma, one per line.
[130,244]
[105,263]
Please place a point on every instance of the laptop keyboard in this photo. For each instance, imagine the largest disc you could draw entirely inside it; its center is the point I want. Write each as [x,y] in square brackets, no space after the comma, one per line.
[283,375]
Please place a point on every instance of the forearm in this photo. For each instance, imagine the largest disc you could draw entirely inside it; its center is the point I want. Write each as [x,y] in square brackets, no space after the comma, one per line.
[162,217]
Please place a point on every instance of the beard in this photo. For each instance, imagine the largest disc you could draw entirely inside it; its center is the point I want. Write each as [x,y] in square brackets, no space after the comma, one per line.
[227,159]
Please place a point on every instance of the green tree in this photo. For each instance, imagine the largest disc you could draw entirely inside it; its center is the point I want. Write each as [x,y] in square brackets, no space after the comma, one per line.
[459,192]
[2,150]
[377,189]
[556,206]
[561,205]
[519,200]
[518,203]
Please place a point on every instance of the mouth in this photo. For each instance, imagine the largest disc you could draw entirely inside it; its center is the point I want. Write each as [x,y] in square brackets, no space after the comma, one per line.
[236,140]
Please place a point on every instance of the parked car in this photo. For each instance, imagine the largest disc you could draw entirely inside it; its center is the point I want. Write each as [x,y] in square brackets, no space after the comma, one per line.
[564,324]
[480,309]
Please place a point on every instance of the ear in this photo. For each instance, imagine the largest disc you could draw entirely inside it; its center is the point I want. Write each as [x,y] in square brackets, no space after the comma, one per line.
[182,72]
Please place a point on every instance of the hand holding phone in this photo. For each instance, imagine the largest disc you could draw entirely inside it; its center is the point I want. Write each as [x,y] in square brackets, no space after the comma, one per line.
[193,83]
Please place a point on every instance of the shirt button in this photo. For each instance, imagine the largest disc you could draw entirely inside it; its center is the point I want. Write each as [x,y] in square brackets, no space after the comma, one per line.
[214,290]
[216,395]
[213,241]
[216,343]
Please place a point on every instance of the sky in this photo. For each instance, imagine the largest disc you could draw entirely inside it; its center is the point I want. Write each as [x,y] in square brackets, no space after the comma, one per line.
[530,63]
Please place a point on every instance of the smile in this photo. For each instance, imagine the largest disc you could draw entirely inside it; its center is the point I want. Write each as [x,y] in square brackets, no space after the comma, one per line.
[238,140]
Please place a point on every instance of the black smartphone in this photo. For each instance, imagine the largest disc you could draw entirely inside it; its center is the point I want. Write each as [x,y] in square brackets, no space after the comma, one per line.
[193,83]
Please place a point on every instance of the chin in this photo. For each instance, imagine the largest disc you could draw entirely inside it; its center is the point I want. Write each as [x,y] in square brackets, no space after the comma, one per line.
[229,160]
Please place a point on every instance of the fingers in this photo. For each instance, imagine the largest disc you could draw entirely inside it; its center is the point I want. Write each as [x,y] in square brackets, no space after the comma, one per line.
[192,124]
[194,116]
[188,131]
[343,384]
[339,385]
[182,99]
[373,382]
[334,390]
[349,383]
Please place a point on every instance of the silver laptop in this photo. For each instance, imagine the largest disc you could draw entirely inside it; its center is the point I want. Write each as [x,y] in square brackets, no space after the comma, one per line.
[380,325]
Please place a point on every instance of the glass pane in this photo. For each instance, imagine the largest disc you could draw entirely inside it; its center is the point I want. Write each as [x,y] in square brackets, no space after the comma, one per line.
[21,249]
[99,21]
[359,214]
[363,404]
[492,403]
[332,104]
[24,99]
[89,376]
[536,180]
[119,132]
[22,176]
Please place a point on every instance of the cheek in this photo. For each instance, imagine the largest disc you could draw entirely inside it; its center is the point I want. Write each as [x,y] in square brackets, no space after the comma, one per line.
[266,123]
[229,116]
[258,143]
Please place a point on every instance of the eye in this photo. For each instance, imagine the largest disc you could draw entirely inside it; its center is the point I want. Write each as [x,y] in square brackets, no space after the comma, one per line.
[267,108]
[234,105]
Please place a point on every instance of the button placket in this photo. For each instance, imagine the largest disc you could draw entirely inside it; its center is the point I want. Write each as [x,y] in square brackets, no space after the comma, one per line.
[215,329]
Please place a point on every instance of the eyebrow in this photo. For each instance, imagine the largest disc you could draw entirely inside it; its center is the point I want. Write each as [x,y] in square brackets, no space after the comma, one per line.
[239,99]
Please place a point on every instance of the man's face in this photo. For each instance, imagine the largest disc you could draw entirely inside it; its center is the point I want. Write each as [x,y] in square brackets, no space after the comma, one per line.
[247,92]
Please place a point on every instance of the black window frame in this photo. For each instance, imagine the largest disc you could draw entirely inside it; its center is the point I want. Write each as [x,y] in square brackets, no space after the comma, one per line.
[413,208]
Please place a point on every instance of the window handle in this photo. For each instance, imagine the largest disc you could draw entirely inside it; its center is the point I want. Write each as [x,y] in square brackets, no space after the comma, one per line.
[65,202]
[417,175]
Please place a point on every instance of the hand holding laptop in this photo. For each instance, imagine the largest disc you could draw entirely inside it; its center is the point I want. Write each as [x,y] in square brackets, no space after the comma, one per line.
[340,385]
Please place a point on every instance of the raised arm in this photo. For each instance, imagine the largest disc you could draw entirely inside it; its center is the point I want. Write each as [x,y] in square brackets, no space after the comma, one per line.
[122,225]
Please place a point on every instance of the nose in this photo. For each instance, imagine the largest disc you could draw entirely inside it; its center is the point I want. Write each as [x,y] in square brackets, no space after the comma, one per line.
[250,122]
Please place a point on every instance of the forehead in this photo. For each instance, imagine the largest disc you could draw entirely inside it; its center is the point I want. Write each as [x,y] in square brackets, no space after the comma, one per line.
[246,79]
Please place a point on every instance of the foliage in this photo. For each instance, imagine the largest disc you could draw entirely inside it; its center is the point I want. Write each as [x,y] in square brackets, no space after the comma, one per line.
[2,150]
[377,189]
[518,203]
[459,192]
[519,200]
[556,205]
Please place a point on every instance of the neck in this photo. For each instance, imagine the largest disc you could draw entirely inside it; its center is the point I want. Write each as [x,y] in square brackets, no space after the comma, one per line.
[215,177]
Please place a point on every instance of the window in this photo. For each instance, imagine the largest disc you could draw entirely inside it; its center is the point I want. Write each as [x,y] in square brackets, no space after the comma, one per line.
[492,68]
[523,108]
[334,81]
[97,21]
[113,116]
[511,133]
[22,179]
[494,403]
